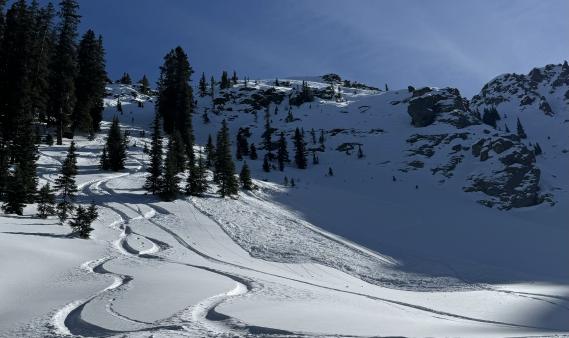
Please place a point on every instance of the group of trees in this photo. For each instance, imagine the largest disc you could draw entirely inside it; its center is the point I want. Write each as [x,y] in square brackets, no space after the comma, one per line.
[47,79]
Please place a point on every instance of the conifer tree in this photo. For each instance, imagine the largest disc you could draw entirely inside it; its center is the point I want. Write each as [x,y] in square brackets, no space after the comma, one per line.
[144,85]
[125,79]
[521,131]
[253,152]
[321,139]
[245,177]
[202,86]
[154,180]
[300,150]
[115,148]
[178,151]
[212,87]
[169,190]
[282,152]
[81,222]
[15,197]
[267,135]
[266,164]
[64,69]
[197,183]
[104,162]
[225,168]
[66,185]
[234,78]
[224,81]
[490,116]
[46,202]
[210,152]
[90,83]
[360,152]
[315,159]
[175,97]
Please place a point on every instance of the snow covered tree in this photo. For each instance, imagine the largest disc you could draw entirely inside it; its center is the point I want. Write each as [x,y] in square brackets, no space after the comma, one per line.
[154,180]
[225,168]
[66,185]
[46,202]
[282,152]
[300,150]
[115,148]
[245,177]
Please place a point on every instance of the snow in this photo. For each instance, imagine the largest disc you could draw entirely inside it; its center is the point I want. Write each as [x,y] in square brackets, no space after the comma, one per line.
[355,254]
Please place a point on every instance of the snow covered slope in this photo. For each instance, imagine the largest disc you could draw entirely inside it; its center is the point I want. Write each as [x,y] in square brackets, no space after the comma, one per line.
[395,243]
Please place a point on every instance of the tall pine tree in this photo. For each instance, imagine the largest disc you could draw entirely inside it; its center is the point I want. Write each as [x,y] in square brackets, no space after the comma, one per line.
[225,168]
[66,185]
[154,180]
[300,150]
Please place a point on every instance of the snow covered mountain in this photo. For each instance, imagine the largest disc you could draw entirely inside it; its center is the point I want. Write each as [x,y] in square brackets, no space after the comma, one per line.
[441,225]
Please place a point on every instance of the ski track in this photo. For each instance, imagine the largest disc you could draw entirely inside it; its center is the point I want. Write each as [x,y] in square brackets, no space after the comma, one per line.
[68,321]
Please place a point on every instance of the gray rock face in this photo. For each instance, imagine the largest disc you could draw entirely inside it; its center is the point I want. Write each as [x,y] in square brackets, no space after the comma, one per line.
[444,105]
[514,183]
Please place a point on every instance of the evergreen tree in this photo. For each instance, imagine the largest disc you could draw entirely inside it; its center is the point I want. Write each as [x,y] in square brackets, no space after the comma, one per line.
[386,88]
[245,177]
[125,79]
[210,152]
[197,183]
[212,87]
[253,152]
[330,171]
[65,183]
[81,223]
[315,159]
[169,190]
[225,168]
[90,84]
[202,86]
[300,150]
[119,105]
[267,135]
[104,162]
[282,152]
[521,131]
[64,69]
[322,139]
[175,97]
[360,152]
[15,197]
[266,164]
[144,85]
[234,78]
[224,81]
[46,202]
[115,148]
[154,180]
[490,116]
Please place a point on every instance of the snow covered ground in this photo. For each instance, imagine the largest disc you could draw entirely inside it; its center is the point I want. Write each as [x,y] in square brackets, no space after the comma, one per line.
[349,255]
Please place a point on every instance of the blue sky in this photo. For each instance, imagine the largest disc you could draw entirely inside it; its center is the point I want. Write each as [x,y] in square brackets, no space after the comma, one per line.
[439,42]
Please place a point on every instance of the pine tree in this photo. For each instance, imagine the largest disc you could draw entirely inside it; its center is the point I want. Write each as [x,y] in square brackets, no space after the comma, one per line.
[46,202]
[267,135]
[64,69]
[266,164]
[119,105]
[178,151]
[154,180]
[212,87]
[175,97]
[315,159]
[245,177]
[115,148]
[197,183]
[202,86]
[65,183]
[282,152]
[81,223]
[224,81]
[210,152]
[144,85]
[322,139]
[225,168]
[490,116]
[234,78]
[90,84]
[300,150]
[521,131]
[104,162]
[360,152]
[169,190]
[253,152]
[386,88]
[125,79]
[15,197]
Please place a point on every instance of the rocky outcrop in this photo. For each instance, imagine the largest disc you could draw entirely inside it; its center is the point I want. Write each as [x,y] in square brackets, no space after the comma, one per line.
[512,180]
[445,105]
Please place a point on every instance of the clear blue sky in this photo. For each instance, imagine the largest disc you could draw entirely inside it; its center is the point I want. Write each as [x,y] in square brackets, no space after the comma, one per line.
[399,42]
